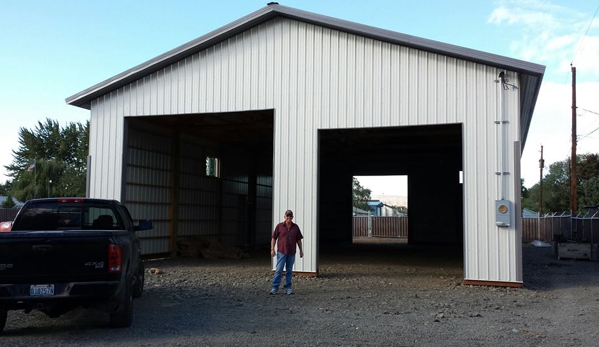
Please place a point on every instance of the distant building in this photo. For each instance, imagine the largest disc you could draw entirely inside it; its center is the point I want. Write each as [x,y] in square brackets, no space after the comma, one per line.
[376,207]
[358,212]
[526,213]
[380,209]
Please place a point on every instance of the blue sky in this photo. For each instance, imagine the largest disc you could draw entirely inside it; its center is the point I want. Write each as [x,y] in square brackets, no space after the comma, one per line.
[54,49]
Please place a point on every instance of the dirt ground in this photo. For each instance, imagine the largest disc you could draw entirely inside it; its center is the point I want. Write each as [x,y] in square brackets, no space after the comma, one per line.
[367,294]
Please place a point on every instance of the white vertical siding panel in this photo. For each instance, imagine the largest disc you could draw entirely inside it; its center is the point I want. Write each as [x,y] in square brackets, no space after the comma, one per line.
[160,91]
[349,112]
[394,84]
[376,84]
[404,84]
[250,69]
[202,81]
[270,56]
[484,161]
[281,130]
[235,87]
[133,98]
[302,111]
[153,94]
[422,116]
[167,92]
[299,52]
[94,147]
[334,71]
[325,106]
[139,87]
[317,78]
[367,88]
[114,162]
[187,85]
[126,100]
[358,94]
[108,159]
[260,63]
[310,138]
[117,135]
[289,99]
[228,81]
[432,85]
[441,90]
[385,73]
[490,150]
[216,65]
[341,92]
[412,85]
[195,83]
[145,95]
[491,181]
[103,146]
[180,88]
[514,149]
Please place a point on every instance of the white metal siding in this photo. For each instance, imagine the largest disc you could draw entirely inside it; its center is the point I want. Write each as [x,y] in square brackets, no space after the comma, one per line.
[318,78]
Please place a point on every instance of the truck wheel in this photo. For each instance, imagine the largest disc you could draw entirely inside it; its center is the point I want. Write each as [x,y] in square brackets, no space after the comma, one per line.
[138,287]
[3,315]
[124,316]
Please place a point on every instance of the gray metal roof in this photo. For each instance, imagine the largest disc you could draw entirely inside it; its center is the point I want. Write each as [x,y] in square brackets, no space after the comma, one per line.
[531,74]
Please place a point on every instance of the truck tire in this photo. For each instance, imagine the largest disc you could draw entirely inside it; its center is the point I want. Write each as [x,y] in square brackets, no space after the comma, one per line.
[138,287]
[124,316]
[3,315]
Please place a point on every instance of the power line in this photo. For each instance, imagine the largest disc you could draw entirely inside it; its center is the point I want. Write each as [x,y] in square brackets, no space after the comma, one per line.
[581,137]
[585,34]
[584,109]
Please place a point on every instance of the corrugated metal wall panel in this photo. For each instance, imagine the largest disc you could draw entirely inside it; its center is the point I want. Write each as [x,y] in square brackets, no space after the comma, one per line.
[147,186]
[317,78]
[199,195]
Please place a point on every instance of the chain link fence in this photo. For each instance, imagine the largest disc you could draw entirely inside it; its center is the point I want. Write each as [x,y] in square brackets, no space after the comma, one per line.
[552,226]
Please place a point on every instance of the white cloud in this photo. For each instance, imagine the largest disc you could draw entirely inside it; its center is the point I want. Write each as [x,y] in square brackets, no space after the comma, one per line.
[550,34]
[587,56]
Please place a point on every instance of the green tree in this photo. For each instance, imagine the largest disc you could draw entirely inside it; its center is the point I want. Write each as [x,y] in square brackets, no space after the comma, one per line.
[523,190]
[5,188]
[556,197]
[361,195]
[50,161]
[8,203]
[556,185]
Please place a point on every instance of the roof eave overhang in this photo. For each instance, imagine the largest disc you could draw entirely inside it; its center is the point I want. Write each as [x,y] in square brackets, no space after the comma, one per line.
[83,99]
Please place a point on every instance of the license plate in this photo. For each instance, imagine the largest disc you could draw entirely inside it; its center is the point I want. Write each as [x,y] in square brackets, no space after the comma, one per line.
[41,290]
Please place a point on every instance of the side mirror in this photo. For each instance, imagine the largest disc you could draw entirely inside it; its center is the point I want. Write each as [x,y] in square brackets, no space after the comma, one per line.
[144,224]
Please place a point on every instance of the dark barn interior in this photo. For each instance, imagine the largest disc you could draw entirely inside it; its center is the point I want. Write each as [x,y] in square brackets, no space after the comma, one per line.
[431,157]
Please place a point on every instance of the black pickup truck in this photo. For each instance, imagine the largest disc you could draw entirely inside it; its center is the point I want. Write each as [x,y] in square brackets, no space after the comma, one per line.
[62,253]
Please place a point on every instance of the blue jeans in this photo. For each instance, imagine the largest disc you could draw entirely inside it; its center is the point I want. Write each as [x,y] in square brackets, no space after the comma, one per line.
[283,260]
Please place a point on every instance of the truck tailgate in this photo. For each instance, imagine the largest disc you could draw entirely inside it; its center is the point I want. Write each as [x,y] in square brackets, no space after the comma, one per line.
[31,256]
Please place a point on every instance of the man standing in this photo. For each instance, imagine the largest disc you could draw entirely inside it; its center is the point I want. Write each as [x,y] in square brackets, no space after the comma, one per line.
[287,235]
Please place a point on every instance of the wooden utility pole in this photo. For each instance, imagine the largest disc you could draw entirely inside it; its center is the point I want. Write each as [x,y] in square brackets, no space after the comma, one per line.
[541,166]
[573,206]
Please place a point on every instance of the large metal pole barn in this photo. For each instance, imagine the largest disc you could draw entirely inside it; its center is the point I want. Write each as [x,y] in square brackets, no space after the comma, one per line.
[279,110]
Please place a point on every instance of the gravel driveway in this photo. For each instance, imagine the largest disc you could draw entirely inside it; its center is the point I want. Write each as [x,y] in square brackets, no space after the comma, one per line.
[366,295]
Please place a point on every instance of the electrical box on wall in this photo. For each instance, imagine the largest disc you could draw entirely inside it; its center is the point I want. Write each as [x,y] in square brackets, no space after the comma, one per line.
[503,213]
